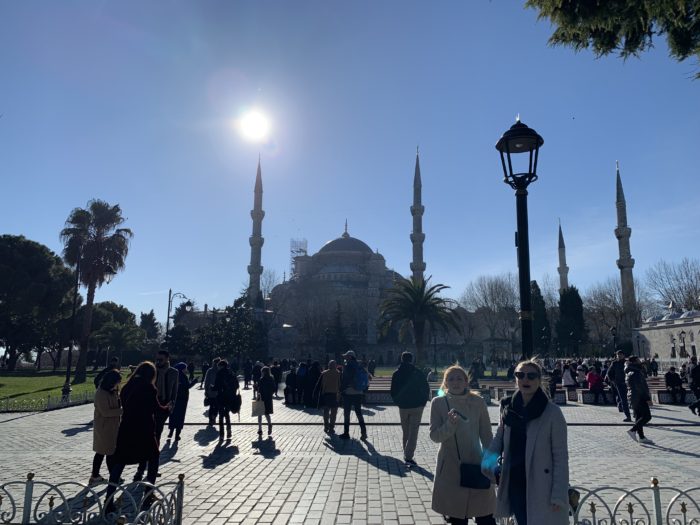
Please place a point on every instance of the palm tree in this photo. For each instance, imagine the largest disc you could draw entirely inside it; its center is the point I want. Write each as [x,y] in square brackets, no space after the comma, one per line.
[95,245]
[414,304]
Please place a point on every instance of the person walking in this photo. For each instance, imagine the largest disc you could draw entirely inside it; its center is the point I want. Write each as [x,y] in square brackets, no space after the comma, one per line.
[410,392]
[616,379]
[276,372]
[694,383]
[532,442]
[166,387]
[328,392]
[459,422]
[226,386]
[210,391]
[310,381]
[177,418]
[266,388]
[351,385]
[106,422]
[639,399]
[247,374]
[205,369]
[137,441]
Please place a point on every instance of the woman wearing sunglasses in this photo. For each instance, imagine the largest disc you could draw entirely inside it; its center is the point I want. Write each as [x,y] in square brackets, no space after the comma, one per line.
[460,423]
[531,439]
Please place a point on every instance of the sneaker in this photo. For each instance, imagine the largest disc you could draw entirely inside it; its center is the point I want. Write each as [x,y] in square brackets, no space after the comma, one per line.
[632,434]
[344,435]
[94,480]
[627,420]
[363,437]
[646,441]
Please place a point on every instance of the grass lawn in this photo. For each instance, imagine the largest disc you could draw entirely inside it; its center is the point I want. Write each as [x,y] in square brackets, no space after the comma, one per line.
[22,384]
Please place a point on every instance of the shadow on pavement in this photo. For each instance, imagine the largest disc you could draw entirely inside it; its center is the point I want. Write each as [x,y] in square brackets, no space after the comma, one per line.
[222,453]
[206,435]
[85,427]
[389,464]
[266,448]
[168,452]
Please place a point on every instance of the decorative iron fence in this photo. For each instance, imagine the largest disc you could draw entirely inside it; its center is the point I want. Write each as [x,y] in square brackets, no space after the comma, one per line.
[38,502]
[652,505]
[41,404]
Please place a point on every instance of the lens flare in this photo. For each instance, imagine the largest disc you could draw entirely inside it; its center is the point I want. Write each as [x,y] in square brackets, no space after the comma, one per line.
[254,126]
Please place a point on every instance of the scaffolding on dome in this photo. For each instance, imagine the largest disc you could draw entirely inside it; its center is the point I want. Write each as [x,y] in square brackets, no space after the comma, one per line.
[297,248]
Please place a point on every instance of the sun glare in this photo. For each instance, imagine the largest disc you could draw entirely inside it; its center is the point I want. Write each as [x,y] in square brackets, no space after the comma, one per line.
[254,126]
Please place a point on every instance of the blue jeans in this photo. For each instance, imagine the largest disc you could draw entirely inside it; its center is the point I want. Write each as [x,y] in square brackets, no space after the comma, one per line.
[350,403]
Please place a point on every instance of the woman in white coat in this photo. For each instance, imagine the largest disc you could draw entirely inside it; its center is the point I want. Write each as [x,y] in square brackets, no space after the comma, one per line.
[531,438]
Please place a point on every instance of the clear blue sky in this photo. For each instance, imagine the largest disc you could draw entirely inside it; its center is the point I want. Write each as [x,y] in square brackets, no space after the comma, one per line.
[132,102]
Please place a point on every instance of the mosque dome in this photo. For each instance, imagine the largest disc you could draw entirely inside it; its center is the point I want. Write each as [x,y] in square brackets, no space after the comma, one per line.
[345,243]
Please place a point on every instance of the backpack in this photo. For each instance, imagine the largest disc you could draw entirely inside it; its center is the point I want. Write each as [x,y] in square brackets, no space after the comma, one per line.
[361,380]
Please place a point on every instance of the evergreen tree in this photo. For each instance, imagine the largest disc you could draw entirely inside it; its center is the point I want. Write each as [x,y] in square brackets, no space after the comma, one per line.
[571,327]
[541,329]
[150,325]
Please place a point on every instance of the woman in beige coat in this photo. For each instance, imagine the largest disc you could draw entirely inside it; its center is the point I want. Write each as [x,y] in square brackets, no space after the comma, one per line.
[460,419]
[106,424]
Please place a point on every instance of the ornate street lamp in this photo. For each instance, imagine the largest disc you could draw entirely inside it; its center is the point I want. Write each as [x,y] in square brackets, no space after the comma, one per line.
[521,139]
[171,296]
[613,333]
[684,353]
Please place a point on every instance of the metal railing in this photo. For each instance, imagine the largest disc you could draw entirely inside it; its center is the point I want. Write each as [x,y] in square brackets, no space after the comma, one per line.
[41,404]
[652,505]
[38,502]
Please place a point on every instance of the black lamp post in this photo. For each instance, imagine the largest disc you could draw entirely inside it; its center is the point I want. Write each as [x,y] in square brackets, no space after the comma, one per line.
[171,296]
[521,139]
[613,333]
[684,353]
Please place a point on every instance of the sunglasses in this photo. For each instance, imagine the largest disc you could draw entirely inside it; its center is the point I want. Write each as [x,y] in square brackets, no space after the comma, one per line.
[530,375]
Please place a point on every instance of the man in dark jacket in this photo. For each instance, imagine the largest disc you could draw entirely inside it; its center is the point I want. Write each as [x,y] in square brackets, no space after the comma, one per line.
[674,385]
[410,391]
[639,399]
[616,379]
[694,383]
[352,397]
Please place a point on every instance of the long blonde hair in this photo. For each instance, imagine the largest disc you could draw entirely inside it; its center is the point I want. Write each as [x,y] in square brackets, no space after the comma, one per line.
[532,362]
[448,371]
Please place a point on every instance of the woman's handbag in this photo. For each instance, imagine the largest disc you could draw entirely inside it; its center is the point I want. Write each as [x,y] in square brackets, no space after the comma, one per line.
[236,405]
[258,408]
[470,476]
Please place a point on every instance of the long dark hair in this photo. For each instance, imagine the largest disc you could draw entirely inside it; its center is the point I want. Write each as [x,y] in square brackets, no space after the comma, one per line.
[110,380]
[145,371]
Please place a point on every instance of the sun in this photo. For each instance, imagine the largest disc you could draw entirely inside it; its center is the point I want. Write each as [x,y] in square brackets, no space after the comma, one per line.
[254,126]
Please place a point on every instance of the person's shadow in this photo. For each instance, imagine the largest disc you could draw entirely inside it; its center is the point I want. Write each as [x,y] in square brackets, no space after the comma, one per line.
[167,453]
[222,453]
[266,448]
[206,435]
[69,432]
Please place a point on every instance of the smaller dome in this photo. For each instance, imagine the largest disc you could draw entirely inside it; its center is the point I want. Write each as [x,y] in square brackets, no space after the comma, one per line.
[690,313]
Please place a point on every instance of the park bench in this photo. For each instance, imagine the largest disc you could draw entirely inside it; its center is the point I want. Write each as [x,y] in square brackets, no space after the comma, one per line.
[587,397]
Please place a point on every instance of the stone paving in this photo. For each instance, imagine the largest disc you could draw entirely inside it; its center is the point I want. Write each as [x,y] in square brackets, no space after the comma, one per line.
[302,476]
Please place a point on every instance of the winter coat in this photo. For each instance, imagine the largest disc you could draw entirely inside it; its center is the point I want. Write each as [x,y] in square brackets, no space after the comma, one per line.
[166,383]
[226,384]
[473,435]
[106,424]
[616,372]
[637,388]
[546,468]
[177,416]
[409,387]
[569,377]
[347,379]
[136,441]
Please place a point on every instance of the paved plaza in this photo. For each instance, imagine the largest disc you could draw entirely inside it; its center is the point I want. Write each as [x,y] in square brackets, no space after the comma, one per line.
[302,476]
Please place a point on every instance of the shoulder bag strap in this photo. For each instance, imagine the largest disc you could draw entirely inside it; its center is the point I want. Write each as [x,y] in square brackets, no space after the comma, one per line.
[456,443]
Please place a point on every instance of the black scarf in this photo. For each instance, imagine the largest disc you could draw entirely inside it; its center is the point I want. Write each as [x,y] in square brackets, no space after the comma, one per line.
[516,416]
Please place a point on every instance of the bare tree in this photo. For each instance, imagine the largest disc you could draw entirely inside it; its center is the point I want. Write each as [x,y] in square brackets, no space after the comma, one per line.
[268,280]
[677,283]
[550,291]
[494,301]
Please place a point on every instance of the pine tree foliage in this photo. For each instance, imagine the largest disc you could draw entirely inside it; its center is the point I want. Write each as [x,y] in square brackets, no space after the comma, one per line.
[571,327]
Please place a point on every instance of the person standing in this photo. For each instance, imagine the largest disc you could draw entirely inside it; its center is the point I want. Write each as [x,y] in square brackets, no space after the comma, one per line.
[532,441]
[674,385]
[166,387]
[276,372]
[694,383]
[106,422]
[301,381]
[205,369]
[410,392]
[459,422]
[616,378]
[595,385]
[226,386]
[113,365]
[247,374]
[290,387]
[352,394]
[266,387]
[137,441]
[639,399]
[329,391]
[210,392]
[177,418]
[313,374]
[190,371]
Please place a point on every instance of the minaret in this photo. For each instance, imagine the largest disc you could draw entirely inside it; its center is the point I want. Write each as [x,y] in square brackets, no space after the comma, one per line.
[625,263]
[256,242]
[563,268]
[417,236]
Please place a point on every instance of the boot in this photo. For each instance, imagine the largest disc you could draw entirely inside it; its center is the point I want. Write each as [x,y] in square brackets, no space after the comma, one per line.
[269,429]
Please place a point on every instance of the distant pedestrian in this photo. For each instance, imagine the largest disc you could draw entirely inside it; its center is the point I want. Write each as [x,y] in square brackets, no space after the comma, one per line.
[113,365]
[276,372]
[329,392]
[290,387]
[266,387]
[310,382]
[639,399]
[460,424]
[694,383]
[106,422]
[595,385]
[301,381]
[568,376]
[205,369]
[227,401]
[190,370]
[247,374]
[410,391]
[371,367]
[531,439]
[257,374]
[654,367]
[674,386]
[137,441]
[352,386]
[210,392]
[616,378]
[177,419]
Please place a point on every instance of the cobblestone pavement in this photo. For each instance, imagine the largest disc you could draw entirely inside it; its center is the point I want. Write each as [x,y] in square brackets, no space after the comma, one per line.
[301,476]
